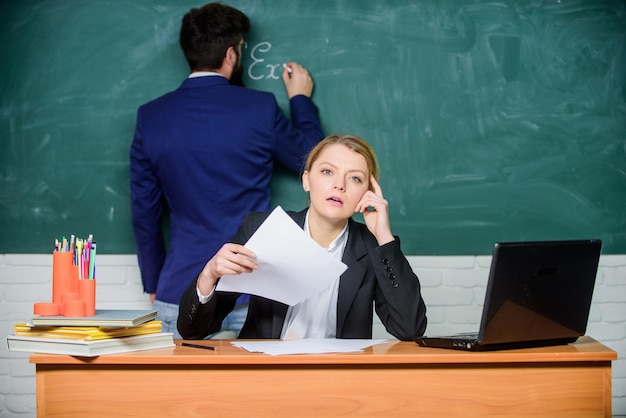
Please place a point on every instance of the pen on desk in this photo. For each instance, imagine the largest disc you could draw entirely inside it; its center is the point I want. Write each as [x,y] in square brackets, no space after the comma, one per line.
[206,347]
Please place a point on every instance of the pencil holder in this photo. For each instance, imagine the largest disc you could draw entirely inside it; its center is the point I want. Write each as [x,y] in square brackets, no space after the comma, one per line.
[74,308]
[66,298]
[46,308]
[87,292]
[64,275]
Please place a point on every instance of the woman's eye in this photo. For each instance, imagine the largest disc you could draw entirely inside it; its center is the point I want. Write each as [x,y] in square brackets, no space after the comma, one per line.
[356,179]
[326,171]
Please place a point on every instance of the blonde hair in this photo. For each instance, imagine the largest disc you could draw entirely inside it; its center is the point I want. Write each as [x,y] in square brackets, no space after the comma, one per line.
[354,143]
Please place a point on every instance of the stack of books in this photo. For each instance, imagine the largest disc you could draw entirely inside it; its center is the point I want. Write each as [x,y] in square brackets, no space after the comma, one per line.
[106,332]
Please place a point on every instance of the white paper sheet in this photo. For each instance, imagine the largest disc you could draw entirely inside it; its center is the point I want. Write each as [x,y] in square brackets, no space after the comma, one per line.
[292,267]
[306,346]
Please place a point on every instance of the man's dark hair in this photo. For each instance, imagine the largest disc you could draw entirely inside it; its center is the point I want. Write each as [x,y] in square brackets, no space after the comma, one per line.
[207,33]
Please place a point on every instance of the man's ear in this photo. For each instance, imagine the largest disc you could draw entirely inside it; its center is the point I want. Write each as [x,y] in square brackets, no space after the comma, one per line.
[231,56]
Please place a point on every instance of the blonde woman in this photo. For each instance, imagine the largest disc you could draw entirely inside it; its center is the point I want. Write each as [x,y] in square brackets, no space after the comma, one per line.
[341,177]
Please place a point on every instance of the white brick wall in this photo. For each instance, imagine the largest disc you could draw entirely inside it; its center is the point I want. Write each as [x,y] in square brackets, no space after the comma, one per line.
[453,288]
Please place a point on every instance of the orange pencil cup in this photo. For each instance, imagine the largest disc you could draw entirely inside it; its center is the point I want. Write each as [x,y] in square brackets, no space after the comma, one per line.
[64,275]
[87,292]
[74,308]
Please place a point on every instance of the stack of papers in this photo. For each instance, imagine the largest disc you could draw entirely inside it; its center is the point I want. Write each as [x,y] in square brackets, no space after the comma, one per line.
[86,333]
[292,266]
[106,332]
[306,346]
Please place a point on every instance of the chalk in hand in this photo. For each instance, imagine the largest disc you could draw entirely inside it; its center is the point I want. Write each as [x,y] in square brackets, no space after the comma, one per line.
[289,69]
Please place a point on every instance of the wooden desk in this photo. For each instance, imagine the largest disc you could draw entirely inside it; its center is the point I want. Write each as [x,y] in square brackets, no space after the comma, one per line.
[393,379]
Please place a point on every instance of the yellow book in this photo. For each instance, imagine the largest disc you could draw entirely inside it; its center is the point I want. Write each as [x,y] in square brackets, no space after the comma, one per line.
[85,333]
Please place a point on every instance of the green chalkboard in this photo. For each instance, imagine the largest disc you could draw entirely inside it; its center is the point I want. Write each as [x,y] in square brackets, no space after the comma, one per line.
[493,121]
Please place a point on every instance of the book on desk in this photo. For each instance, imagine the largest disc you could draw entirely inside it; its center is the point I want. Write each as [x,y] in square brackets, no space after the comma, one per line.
[84,332]
[106,332]
[102,318]
[86,348]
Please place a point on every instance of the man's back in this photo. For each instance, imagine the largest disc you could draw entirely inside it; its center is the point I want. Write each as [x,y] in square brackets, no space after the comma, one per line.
[208,147]
[207,150]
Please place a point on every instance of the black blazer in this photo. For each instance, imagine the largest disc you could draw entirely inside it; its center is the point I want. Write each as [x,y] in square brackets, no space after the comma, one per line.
[377,277]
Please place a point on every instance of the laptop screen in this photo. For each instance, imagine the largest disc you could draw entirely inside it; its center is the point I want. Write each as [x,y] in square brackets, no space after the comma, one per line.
[539,290]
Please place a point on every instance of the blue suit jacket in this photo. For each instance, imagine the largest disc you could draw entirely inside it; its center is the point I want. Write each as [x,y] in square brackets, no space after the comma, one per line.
[207,150]
[378,277]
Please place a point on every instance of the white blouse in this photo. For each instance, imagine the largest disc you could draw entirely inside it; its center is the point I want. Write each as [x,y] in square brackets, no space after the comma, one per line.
[316,317]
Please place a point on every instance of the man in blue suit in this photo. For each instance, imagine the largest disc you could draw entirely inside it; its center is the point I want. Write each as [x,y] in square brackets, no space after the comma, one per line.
[206,152]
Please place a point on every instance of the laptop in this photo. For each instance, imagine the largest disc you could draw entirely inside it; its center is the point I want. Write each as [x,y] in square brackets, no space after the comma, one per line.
[538,293]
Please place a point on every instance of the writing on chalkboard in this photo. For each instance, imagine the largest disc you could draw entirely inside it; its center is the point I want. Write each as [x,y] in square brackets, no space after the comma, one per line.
[258,69]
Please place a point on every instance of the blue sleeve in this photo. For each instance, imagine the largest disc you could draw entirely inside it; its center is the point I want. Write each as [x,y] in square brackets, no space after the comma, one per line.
[295,138]
[146,204]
